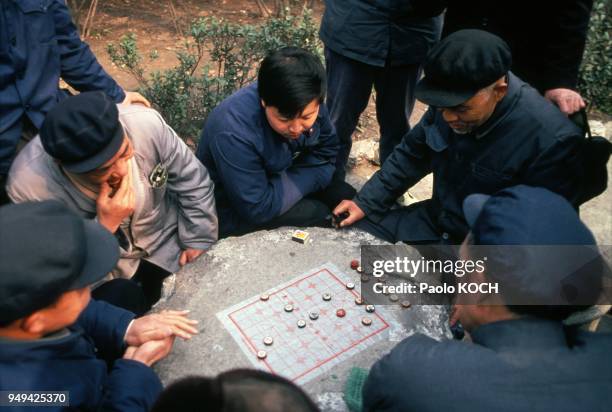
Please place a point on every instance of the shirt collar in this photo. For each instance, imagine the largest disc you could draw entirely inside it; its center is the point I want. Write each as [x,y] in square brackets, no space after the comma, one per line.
[525,332]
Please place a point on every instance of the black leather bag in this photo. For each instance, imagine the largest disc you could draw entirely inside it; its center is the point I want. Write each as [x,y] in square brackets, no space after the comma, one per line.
[597,152]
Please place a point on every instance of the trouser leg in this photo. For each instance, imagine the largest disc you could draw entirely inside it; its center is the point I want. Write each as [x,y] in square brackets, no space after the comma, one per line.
[394,103]
[349,85]
[122,293]
[305,213]
[150,278]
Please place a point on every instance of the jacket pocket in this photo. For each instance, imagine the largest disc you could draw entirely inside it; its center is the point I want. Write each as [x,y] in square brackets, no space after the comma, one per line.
[38,19]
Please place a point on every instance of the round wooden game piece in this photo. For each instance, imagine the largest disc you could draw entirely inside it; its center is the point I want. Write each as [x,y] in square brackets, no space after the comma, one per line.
[327,297]
[366,321]
[313,315]
[406,304]
[301,323]
[262,354]
[350,286]
[393,298]
[365,278]
[264,297]
[340,313]
[358,301]
[370,308]
[288,308]
[268,341]
[354,264]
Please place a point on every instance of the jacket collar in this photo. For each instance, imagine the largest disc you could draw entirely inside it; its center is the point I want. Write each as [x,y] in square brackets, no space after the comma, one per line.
[504,108]
[526,332]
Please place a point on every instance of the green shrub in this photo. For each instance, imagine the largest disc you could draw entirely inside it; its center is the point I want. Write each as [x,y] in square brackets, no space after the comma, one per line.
[217,59]
[596,70]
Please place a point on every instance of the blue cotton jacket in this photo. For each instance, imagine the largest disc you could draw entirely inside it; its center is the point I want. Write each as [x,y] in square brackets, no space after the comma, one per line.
[72,361]
[525,364]
[526,141]
[379,32]
[38,45]
[258,174]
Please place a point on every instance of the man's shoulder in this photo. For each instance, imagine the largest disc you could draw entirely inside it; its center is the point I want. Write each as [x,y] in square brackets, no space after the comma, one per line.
[32,174]
[536,114]
[239,112]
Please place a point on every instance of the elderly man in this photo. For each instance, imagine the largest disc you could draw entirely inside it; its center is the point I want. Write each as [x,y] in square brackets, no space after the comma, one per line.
[39,43]
[485,130]
[521,358]
[125,167]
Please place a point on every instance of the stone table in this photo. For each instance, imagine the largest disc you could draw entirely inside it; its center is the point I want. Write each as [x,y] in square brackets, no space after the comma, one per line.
[237,268]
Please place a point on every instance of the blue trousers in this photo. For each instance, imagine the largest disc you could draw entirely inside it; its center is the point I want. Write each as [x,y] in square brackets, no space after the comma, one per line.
[349,87]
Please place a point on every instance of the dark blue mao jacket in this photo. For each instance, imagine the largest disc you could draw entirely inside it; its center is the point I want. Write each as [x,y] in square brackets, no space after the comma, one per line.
[379,32]
[527,141]
[72,361]
[38,45]
[516,365]
[258,174]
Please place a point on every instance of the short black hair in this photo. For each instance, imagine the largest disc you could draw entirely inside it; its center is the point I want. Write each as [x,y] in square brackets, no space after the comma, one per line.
[289,79]
[238,390]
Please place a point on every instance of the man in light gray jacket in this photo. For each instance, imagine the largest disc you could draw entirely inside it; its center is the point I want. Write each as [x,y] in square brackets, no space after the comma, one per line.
[124,166]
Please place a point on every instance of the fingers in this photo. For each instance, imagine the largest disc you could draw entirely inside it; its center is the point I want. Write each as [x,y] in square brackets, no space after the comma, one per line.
[341,208]
[105,190]
[183,258]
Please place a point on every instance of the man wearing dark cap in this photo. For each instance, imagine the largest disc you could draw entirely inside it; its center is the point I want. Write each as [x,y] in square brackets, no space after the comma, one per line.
[126,168]
[485,130]
[53,338]
[522,357]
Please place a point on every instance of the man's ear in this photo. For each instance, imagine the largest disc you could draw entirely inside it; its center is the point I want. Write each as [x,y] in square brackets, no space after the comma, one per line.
[500,89]
[35,323]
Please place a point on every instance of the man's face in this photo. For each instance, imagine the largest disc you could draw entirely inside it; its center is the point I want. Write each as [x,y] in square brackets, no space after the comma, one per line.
[292,128]
[115,169]
[473,113]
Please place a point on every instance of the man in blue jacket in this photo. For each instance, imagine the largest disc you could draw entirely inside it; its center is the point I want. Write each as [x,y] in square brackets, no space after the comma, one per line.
[38,45]
[53,338]
[380,44]
[485,130]
[270,149]
[521,357]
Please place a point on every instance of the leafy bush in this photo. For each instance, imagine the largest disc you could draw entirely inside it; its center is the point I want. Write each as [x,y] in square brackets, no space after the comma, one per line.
[596,71]
[217,59]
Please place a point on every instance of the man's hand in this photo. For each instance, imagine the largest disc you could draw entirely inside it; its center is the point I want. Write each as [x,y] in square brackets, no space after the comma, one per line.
[150,352]
[112,209]
[159,326]
[568,101]
[135,97]
[189,255]
[354,212]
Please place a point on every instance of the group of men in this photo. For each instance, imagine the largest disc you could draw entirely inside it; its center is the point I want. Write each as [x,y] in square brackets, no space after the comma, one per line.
[110,201]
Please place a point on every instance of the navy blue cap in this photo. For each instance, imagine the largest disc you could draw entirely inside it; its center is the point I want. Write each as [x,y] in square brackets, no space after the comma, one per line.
[536,245]
[46,250]
[83,132]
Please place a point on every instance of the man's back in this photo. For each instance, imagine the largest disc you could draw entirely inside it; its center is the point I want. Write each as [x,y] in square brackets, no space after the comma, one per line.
[516,365]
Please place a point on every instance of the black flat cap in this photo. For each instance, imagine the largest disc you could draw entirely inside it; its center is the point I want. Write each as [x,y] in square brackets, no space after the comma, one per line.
[83,131]
[46,250]
[460,65]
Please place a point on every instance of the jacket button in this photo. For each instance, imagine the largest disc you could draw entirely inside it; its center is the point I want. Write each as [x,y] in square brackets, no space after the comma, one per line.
[28,107]
[13,41]
[445,236]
